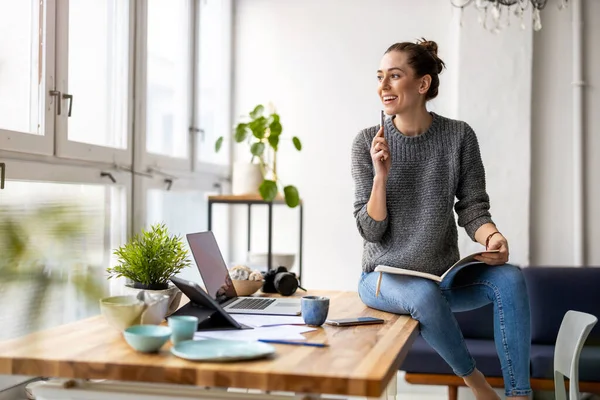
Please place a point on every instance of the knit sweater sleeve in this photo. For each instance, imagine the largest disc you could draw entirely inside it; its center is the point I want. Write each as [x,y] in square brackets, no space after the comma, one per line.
[362,173]
[473,202]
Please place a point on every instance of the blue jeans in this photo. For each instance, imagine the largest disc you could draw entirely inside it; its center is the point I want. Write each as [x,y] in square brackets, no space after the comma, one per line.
[468,288]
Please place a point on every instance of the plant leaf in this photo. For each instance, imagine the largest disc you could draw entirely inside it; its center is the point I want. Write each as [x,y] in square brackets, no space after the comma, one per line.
[274,141]
[241,132]
[151,257]
[257,149]
[292,198]
[297,143]
[275,128]
[258,127]
[268,190]
[257,112]
[218,144]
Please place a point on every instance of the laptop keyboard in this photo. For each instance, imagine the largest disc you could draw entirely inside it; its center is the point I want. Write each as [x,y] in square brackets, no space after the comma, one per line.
[252,304]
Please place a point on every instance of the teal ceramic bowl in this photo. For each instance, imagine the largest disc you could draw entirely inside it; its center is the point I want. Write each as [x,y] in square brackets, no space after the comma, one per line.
[147,338]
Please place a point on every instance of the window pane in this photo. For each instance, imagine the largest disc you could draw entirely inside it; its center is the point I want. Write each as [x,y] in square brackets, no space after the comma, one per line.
[98,71]
[186,212]
[96,213]
[168,78]
[22,65]
[214,83]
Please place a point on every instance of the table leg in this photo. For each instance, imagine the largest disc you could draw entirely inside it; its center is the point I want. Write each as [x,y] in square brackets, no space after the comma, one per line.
[210,204]
[270,244]
[249,226]
[392,388]
[300,247]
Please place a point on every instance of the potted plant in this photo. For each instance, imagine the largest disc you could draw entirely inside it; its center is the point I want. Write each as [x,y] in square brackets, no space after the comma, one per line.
[262,133]
[149,260]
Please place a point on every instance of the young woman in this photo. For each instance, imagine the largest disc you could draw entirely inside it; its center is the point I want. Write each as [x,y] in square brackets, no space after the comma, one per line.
[407,176]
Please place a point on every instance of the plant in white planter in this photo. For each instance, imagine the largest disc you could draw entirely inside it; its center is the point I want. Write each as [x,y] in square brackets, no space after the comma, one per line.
[262,133]
[149,260]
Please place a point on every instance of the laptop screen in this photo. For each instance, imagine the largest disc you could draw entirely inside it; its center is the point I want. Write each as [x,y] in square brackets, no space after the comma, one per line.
[212,268]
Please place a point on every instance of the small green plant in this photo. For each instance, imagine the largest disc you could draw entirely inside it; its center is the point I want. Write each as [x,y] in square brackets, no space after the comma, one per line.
[263,132]
[151,258]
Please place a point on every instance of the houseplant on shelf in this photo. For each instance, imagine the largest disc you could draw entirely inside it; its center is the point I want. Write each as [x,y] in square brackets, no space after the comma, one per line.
[149,260]
[262,133]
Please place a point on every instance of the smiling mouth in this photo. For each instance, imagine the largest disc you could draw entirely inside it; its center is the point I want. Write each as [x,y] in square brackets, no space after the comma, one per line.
[389,99]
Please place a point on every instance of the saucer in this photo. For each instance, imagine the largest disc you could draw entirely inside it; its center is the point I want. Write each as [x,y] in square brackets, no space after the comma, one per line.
[221,350]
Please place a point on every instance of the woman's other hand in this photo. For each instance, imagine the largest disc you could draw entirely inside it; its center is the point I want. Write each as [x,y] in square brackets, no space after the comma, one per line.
[380,154]
[497,242]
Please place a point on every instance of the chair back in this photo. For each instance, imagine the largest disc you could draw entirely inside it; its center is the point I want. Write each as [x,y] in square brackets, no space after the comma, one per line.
[573,332]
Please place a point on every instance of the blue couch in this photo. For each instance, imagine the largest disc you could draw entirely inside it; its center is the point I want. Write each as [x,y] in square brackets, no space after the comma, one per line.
[552,292]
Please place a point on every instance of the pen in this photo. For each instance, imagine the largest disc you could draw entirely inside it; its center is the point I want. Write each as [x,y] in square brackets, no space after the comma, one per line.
[297,343]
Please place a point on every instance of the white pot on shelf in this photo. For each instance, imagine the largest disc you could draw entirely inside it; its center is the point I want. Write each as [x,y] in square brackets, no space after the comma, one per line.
[246,178]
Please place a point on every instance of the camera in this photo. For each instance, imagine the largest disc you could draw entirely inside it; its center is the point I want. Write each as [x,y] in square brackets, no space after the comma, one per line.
[280,281]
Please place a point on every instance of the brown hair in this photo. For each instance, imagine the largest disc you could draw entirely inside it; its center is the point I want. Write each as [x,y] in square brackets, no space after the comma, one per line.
[423,58]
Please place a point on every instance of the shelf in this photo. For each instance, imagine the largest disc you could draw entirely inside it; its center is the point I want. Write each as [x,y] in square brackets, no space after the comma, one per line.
[244,199]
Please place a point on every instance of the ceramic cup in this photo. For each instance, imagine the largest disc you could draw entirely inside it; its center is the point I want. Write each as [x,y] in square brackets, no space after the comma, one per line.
[314,310]
[122,311]
[183,327]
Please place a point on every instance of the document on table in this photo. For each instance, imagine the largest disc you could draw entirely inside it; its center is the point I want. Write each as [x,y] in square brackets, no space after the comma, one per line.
[283,332]
[256,321]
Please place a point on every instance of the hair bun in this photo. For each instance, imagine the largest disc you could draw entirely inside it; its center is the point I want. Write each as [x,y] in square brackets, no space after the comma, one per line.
[432,48]
[430,45]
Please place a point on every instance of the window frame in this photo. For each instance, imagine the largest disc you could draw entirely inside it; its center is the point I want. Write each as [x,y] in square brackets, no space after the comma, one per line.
[53,158]
[66,148]
[145,161]
[24,142]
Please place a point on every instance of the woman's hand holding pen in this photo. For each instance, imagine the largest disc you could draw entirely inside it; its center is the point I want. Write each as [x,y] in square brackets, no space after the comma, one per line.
[380,154]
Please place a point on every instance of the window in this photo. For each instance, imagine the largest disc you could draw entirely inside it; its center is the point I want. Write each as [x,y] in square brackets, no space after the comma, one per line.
[169,72]
[98,72]
[93,41]
[107,115]
[47,213]
[26,73]
[214,86]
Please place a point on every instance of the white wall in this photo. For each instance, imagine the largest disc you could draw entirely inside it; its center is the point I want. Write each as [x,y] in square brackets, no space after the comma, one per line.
[494,97]
[552,150]
[316,62]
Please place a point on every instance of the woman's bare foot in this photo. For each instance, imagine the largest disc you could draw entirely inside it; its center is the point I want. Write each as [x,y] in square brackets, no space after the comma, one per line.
[480,387]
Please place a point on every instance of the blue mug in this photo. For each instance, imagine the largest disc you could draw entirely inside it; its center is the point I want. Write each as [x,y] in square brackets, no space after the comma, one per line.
[183,327]
[314,310]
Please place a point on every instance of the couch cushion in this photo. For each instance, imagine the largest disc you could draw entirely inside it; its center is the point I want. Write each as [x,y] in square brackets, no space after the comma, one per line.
[555,290]
[542,363]
[423,359]
[478,323]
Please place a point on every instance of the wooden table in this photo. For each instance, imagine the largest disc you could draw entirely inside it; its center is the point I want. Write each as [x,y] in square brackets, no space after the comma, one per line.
[360,361]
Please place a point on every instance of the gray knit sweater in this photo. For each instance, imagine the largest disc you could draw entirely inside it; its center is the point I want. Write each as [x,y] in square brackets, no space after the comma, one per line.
[428,172]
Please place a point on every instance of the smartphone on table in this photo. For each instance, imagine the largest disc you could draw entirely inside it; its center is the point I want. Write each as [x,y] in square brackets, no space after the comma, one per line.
[354,321]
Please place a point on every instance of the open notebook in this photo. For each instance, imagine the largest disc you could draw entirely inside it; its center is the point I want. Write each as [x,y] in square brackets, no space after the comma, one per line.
[402,271]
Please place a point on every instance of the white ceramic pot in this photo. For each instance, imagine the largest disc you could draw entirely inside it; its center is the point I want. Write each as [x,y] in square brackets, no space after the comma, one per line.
[246,178]
[173,292]
[277,260]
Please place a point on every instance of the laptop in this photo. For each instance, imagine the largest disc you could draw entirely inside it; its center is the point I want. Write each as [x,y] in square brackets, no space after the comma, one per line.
[219,286]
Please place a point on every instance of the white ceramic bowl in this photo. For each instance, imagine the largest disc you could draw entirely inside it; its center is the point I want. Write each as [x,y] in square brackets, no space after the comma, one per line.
[121,312]
[277,259]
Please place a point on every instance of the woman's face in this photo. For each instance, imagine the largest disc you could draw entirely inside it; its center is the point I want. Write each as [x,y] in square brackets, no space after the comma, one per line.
[399,89]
